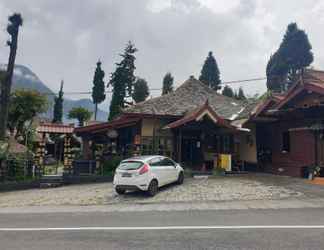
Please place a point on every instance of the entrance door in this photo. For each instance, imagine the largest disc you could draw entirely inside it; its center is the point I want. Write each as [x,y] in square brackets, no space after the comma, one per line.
[191,151]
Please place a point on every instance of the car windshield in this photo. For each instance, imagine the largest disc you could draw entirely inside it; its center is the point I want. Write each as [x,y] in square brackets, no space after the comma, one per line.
[130,165]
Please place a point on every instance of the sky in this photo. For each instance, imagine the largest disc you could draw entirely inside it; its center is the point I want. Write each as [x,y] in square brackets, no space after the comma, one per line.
[64,39]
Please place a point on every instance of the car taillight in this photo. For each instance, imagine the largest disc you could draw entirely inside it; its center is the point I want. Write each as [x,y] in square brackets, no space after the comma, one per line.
[144,169]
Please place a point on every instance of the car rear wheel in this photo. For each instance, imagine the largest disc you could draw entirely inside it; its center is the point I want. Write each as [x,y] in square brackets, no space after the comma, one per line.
[153,188]
[120,191]
[180,178]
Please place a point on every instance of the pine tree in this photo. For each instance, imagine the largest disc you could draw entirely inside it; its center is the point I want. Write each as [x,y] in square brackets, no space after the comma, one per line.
[98,89]
[122,80]
[141,90]
[292,57]
[15,21]
[228,91]
[167,83]
[210,74]
[240,95]
[58,106]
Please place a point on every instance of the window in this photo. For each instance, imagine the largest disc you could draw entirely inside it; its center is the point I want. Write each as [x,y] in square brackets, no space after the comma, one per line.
[286,141]
[167,162]
[155,162]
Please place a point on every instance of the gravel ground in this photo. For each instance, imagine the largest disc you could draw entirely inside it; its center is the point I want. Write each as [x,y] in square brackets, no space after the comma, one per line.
[236,188]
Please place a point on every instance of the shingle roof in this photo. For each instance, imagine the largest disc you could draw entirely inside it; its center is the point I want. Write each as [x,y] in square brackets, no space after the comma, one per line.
[188,97]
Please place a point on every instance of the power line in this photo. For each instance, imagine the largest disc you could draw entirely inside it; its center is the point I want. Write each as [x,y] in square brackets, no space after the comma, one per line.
[159,89]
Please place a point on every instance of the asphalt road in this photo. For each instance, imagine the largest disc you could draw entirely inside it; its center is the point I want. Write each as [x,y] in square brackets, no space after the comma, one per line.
[234,229]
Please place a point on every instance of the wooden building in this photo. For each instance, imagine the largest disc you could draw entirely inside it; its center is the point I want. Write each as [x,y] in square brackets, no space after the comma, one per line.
[193,125]
[290,127]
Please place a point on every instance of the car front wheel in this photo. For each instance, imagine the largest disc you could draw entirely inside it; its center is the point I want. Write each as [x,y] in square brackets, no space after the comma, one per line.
[180,178]
[120,191]
[153,188]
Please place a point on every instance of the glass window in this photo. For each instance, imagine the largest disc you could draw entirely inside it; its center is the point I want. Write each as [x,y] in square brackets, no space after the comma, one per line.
[167,162]
[155,162]
[130,165]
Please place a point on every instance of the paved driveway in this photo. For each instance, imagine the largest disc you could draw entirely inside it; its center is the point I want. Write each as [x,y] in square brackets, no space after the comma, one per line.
[236,188]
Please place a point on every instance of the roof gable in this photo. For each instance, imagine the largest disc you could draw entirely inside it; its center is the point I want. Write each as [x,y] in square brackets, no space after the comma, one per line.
[198,115]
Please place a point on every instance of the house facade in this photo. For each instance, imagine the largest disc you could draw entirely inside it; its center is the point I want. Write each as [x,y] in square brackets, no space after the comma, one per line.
[290,127]
[193,125]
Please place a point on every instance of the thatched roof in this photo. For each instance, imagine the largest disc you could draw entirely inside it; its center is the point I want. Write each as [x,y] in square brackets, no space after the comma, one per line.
[191,95]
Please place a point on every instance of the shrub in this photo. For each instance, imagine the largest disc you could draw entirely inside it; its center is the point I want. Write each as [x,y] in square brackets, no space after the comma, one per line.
[219,171]
[109,166]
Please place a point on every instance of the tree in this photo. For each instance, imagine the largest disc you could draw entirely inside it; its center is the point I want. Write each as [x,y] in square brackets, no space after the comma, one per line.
[290,60]
[240,95]
[24,106]
[167,83]
[81,114]
[122,80]
[228,91]
[15,21]
[58,106]
[210,74]
[141,90]
[98,90]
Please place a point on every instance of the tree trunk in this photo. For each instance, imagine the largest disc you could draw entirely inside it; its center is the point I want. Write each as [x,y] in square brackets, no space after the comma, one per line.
[6,87]
[96,110]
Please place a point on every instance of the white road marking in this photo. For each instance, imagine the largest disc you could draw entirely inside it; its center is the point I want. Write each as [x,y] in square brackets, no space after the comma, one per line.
[160,228]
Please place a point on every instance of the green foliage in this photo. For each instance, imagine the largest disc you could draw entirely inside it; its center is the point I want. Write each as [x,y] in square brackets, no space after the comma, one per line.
[81,114]
[228,91]
[122,80]
[167,83]
[24,106]
[210,74]
[141,90]
[98,89]
[219,171]
[58,106]
[109,166]
[292,57]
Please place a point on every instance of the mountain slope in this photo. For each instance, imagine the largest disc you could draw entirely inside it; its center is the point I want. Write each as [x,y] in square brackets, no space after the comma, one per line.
[24,78]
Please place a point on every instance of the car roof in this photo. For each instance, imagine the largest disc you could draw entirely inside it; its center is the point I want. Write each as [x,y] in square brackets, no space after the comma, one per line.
[143,158]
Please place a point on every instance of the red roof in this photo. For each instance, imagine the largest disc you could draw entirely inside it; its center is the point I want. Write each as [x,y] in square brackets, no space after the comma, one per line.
[313,80]
[196,114]
[123,121]
[55,128]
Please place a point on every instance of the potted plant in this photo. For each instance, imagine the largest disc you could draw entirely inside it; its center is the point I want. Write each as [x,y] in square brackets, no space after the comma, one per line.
[313,171]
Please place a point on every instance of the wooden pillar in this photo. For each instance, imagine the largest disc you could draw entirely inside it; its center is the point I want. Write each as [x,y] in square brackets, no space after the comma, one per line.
[67,162]
[180,146]
[86,151]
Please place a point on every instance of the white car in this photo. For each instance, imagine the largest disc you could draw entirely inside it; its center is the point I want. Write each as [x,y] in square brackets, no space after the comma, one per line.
[147,173]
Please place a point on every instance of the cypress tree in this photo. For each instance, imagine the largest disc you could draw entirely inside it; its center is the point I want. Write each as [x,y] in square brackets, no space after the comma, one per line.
[167,83]
[98,89]
[228,91]
[122,80]
[141,90]
[58,106]
[240,95]
[292,57]
[210,74]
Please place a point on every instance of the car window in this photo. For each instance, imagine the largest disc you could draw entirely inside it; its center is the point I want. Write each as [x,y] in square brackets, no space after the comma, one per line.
[167,162]
[155,162]
[130,165]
